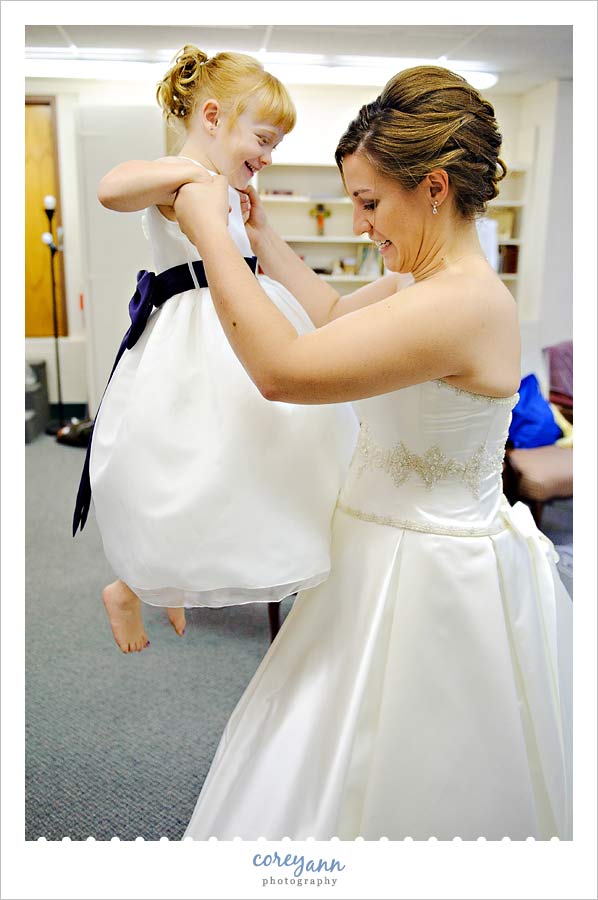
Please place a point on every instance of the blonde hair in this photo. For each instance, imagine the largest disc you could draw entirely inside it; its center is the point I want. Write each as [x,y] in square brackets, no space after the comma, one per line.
[233,79]
[426,118]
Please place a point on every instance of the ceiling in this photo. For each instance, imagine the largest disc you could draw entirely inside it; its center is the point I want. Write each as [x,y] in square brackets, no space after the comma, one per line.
[522,56]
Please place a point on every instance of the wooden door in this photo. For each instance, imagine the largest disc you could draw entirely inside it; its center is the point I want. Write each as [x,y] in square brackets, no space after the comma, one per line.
[41,178]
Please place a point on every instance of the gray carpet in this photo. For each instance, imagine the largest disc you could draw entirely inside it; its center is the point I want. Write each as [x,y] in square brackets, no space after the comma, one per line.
[119,745]
[557,524]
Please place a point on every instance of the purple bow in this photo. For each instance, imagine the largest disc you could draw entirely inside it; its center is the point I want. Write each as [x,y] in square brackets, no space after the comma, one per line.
[140,308]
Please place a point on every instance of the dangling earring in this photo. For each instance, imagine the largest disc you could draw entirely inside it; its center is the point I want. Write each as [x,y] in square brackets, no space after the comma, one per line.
[435,208]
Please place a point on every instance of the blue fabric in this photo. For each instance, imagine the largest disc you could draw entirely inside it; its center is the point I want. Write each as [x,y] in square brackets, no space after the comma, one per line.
[532,424]
[152,290]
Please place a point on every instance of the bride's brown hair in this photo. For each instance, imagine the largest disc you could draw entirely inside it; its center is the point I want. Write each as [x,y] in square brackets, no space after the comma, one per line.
[430,118]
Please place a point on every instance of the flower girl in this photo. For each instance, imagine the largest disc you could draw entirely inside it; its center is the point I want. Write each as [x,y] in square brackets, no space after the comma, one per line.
[205,493]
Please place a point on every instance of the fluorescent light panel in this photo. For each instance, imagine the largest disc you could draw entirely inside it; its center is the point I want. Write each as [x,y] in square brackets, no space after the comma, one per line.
[292,68]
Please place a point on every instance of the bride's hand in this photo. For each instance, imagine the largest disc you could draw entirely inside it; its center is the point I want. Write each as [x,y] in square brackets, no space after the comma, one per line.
[201,205]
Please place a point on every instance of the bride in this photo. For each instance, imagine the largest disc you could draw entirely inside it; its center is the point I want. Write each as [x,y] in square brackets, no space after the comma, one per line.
[424,689]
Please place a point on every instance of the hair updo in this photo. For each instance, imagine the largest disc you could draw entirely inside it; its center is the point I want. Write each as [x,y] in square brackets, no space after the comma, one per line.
[428,118]
[233,79]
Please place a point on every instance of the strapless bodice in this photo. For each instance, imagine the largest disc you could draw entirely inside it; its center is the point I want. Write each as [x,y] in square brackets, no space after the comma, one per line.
[429,457]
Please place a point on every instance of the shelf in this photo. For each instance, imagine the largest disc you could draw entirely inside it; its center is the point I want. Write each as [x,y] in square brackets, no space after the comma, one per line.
[506,204]
[508,276]
[314,239]
[350,278]
[296,198]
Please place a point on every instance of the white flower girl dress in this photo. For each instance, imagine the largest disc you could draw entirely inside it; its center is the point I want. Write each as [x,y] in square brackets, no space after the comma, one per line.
[205,493]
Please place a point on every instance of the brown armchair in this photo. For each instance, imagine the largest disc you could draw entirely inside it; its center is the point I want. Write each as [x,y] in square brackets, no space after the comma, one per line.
[538,475]
[541,474]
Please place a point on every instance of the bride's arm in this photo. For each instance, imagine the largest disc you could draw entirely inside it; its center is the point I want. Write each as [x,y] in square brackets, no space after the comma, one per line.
[139,183]
[321,302]
[391,344]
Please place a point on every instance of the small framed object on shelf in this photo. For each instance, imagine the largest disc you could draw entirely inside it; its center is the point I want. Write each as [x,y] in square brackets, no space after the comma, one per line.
[320,213]
[369,261]
[508,257]
[505,218]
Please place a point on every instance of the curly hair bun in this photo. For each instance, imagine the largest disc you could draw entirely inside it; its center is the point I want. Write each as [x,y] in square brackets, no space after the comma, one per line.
[428,117]
[177,91]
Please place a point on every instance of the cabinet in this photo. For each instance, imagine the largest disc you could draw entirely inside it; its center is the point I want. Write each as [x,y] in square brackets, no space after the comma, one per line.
[291,194]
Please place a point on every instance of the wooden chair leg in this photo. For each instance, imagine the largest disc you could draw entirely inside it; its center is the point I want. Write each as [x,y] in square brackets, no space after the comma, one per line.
[536,508]
[274,619]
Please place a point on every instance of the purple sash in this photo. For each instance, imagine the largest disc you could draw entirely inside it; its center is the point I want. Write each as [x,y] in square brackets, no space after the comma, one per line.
[152,290]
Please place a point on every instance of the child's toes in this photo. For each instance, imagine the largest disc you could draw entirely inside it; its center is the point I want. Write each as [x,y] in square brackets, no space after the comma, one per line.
[177,619]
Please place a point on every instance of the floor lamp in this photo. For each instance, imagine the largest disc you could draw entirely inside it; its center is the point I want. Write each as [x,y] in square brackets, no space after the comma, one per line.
[48,238]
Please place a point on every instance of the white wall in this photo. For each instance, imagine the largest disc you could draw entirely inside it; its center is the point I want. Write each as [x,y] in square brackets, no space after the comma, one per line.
[114,247]
[323,114]
[545,138]
[556,301]
[507,109]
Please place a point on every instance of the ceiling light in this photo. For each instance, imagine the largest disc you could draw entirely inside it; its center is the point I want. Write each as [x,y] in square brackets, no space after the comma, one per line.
[373,76]
[482,81]
[291,68]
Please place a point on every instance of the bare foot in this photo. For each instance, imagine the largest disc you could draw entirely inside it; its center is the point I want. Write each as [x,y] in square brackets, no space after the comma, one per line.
[177,618]
[124,613]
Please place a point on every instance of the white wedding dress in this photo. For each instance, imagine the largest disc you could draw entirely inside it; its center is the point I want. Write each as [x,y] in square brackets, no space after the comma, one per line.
[205,493]
[425,688]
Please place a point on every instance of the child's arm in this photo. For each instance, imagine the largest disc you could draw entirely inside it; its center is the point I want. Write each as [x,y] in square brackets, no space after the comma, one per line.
[139,183]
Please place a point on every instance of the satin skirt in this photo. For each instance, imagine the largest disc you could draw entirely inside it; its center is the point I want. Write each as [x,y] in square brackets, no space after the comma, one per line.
[205,493]
[424,690]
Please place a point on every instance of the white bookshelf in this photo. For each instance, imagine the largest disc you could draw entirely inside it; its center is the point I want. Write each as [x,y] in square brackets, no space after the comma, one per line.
[327,239]
[509,208]
[283,198]
[311,184]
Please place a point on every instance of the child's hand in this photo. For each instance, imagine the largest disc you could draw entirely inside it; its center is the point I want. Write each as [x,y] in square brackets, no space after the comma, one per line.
[202,206]
[254,216]
[245,206]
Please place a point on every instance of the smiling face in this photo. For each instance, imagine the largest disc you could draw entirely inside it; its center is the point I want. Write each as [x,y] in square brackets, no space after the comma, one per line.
[392,217]
[243,148]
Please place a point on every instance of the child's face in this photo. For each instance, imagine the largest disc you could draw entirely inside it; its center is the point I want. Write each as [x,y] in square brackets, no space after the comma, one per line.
[245,148]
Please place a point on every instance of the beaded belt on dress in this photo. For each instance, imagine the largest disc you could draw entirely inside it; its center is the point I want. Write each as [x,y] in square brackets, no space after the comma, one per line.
[395,522]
